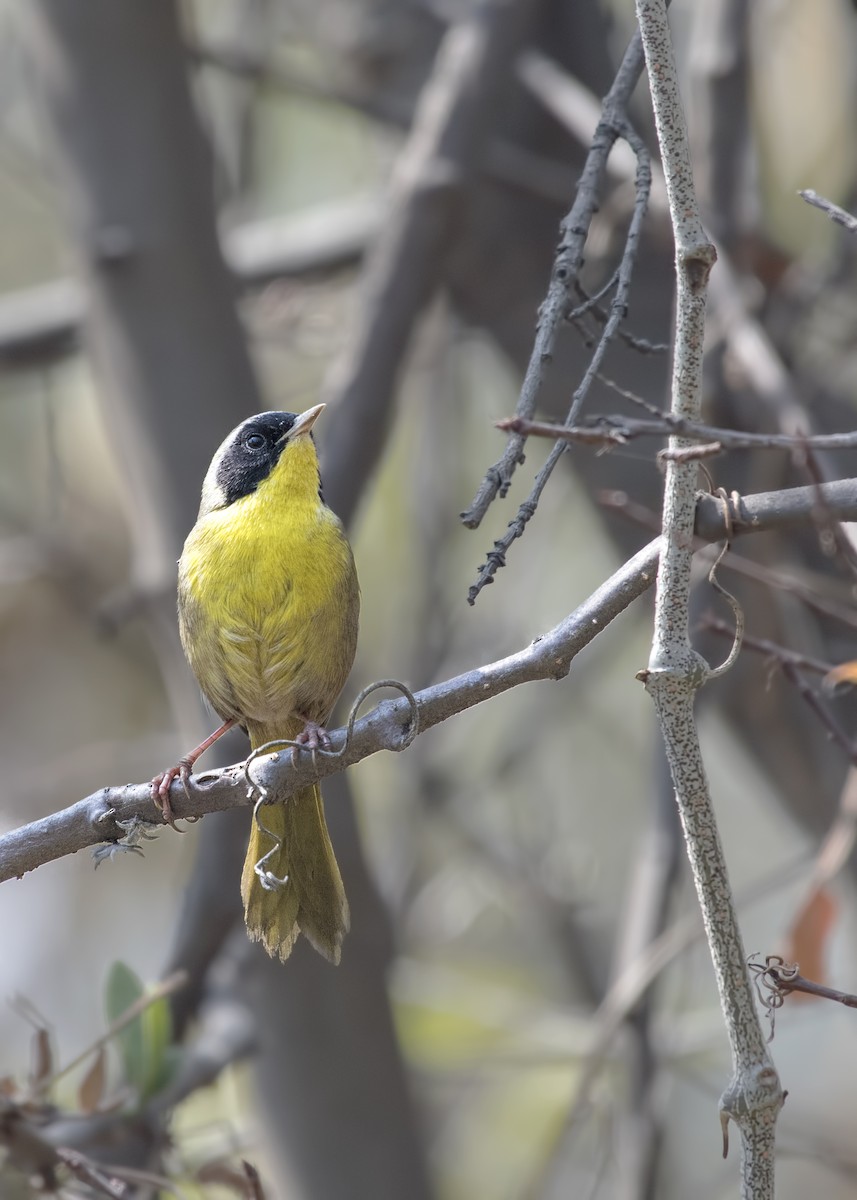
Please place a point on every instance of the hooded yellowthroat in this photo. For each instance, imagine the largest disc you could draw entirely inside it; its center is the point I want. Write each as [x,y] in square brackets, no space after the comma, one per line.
[268,611]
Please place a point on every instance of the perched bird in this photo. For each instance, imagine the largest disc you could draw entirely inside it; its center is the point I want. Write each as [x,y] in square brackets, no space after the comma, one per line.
[268,611]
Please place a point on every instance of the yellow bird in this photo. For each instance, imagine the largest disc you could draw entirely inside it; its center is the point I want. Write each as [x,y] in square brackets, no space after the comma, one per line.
[268,611]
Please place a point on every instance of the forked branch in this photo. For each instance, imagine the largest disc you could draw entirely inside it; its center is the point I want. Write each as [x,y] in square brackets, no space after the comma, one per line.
[676,671]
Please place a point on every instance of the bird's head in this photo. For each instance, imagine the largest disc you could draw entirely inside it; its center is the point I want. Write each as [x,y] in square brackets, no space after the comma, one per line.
[270,447]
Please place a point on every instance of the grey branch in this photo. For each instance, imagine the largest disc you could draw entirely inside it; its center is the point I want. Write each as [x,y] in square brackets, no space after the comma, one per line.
[773,510]
[558,305]
[676,671]
[606,431]
[553,311]
[837,214]
[569,256]
[109,814]
[96,819]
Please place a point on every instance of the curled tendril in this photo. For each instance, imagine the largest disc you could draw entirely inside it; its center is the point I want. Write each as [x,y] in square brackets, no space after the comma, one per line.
[269,881]
[731,506]
[771,980]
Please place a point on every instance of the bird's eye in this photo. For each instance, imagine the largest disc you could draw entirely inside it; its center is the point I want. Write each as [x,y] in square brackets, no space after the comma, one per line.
[254,441]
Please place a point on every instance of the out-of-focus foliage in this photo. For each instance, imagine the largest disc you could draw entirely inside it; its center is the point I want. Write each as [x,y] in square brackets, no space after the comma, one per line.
[144,1043]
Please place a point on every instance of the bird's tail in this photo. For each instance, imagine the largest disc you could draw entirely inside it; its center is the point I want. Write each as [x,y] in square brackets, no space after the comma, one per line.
[312,899]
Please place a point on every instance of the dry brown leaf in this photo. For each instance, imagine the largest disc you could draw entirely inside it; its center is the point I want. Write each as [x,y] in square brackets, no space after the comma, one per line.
[91,1091]
[42,1059]
[243,1180]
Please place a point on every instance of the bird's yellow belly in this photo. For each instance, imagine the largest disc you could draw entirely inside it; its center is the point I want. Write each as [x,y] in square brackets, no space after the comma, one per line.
[269,622]
[263,666]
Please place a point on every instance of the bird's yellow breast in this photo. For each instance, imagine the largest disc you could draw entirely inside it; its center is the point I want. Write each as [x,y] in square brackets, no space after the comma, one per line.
[268,601]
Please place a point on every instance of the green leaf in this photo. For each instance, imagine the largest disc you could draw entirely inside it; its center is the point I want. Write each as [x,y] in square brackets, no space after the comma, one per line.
[124,989]
[157,1037]
[144,1042]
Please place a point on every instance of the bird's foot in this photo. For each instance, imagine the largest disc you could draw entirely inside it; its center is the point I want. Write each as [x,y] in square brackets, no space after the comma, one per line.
[161,789]
[312,737]
[161,783]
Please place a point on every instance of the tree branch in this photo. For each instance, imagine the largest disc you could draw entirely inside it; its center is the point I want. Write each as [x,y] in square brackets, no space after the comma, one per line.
[607,431]
[836,214]
[569,257]
[96,819]
[772,510]
[111,813]
[676,671]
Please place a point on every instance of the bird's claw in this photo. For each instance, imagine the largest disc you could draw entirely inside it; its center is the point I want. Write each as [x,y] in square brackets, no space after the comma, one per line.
[312,737]
[161,785]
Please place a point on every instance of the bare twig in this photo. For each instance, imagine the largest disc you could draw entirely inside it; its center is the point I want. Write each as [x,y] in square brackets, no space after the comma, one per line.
[607,431]
[834,727]
[567,263]
[631,984]
[453,119]
[94,1175]
[613,125]
[836,214]
[96,819]
[712,525]
[835,541]
[779,979]
[791,664]
[676,671]
[590,304]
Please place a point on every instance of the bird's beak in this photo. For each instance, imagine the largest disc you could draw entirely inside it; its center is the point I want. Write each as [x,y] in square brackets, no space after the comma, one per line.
[305,421]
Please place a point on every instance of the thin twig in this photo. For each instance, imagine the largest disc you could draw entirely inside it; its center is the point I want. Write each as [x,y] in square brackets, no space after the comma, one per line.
[837,214]
[780,978]
[835,541]
[791,664]
[569,256]
[639,344]
[455,116]
[834,727]
[496,557]
[607,431]
[165,988]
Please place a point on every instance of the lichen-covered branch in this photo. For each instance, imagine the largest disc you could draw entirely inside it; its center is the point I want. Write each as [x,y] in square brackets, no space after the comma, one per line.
[113,814]
[676,671]
[96,819]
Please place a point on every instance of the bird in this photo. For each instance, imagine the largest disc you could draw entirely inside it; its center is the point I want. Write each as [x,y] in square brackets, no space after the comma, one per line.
[269,603]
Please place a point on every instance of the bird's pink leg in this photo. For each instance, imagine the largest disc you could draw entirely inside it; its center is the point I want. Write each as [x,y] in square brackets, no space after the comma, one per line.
[161,783]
